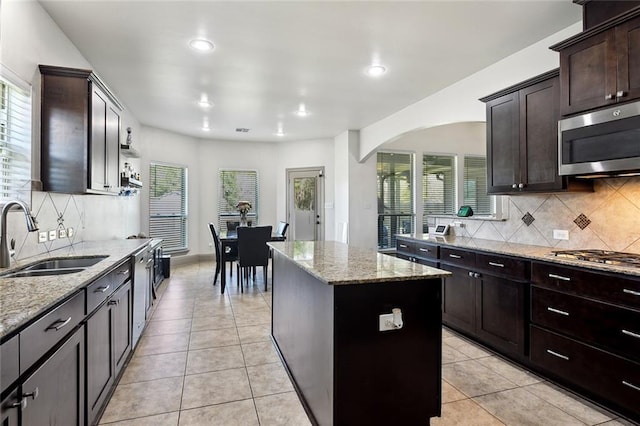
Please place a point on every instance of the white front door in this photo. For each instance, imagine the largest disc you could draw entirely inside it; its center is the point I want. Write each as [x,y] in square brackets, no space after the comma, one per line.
[305,198]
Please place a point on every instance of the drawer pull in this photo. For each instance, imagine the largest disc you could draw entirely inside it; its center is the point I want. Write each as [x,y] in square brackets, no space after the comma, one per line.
[33,394]
[635,293]
[114,302]
[498,265]
[455,256]
[632,386]
[631,333]
[425,250]
[58,324]
[125,272]
[101,289]
[22,404]
[558,311]
[556,354]
[559,277]
[403,246]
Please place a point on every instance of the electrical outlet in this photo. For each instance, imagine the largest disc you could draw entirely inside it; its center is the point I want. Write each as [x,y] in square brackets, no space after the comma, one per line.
[62,233]
[386,322]
[560,234]
[53,235]
[42,236]
[69,232]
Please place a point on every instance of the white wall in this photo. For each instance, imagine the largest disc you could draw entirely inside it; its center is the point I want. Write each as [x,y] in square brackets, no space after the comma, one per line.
[459,102]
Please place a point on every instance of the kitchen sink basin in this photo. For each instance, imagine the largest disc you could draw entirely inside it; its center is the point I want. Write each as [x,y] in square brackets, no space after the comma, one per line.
[66,265]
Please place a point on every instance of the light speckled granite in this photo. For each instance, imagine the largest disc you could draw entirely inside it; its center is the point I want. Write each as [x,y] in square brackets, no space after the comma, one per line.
[22,299]
[530,252]
[337,263]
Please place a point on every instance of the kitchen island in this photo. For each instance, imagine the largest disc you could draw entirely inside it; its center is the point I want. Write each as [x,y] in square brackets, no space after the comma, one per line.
[327,301]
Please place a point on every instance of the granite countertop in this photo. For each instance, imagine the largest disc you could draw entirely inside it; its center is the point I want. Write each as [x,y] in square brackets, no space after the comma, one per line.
[23,299]
[521,250]
[337,263]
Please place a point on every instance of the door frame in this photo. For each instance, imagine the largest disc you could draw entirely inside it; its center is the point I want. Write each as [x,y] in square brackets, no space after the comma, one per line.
[290,174]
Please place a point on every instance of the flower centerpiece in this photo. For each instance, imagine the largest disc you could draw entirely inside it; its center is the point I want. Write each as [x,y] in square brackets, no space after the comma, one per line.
[243,207]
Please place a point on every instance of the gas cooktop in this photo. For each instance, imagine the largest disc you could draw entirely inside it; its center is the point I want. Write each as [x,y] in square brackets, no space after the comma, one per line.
[601,256]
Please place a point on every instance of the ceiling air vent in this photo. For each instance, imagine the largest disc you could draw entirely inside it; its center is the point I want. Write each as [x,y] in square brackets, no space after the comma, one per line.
[242,130]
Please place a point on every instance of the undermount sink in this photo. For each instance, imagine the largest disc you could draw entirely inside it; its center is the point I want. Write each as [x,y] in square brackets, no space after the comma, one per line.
[66,265]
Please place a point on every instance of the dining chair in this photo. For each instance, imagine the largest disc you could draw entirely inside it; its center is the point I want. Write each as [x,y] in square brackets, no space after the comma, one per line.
[281,230]
[252,252]
[231,255]
[232,225]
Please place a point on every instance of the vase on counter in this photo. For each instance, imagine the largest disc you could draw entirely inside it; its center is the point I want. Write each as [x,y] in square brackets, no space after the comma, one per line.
[243,207]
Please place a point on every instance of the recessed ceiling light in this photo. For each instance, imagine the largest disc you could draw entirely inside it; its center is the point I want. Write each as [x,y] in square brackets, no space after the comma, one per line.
[376,70]
[206,128]
[201,44]
[280,132]
[204,101]
[302,111]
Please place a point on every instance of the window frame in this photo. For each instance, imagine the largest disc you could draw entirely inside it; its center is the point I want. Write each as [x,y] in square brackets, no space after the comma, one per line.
[10,187]
[183,215]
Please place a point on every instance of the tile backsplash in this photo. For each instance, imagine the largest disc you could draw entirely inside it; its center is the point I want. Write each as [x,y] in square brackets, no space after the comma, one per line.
[92,217]
[608,218]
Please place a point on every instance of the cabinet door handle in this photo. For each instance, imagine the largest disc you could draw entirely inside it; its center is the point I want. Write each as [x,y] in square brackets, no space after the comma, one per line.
[635,293]
[559,277]
[471,274]
[113,302]
[557,311]
[476,275]
[125,272]
[608,96]
[632,386]
[520,185]
[631,333]
[556,354]
[514,186]
[57,325]
[455,256]
[33,394]
[620,93]
[101,289]
[497,265]
[22,404]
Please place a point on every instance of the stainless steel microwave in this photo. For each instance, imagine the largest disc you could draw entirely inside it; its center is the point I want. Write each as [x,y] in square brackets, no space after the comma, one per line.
[601,143]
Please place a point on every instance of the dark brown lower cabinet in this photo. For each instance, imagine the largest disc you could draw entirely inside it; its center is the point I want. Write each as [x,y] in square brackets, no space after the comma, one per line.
[9,409]
[488,308]
[108,345]
[54,393]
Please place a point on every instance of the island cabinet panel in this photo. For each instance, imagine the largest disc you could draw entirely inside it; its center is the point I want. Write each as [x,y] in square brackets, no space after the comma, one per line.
[55,391]
[9,409]
[346,371]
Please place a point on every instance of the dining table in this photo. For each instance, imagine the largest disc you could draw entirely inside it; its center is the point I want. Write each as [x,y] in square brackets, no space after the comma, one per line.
[229,239]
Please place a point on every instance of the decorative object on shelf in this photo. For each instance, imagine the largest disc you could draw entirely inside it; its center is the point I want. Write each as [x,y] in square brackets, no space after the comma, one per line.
[129,138]
[243,207]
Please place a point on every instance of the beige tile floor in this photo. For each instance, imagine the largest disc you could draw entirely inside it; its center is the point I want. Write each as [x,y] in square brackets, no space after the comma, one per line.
[207,359]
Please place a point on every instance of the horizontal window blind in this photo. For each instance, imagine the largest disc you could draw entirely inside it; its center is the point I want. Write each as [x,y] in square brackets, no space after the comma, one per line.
[395,196]
[475,185]
[438,184]
[15,142]
[168,205]
[235,186]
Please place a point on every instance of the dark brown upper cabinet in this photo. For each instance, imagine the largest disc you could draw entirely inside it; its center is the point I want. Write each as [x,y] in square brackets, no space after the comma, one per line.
[522,138]
[80,133]
[601,66]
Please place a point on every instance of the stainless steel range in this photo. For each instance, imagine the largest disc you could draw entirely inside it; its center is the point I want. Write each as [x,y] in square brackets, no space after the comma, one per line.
[601,256]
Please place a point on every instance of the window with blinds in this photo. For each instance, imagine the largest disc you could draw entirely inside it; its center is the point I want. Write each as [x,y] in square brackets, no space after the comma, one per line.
[475,185]
[236,186]
[438,184]
[15,142]
[395,196]
[168,206]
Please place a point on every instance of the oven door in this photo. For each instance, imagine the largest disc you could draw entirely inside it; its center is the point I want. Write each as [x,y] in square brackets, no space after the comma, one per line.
[601,142]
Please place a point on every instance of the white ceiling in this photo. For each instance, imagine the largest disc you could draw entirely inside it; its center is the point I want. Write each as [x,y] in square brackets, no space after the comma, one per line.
[271,56]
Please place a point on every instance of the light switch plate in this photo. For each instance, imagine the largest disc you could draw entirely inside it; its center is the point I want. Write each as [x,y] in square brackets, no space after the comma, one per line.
[69,232]
[42,236]
[62,233]
[53,235]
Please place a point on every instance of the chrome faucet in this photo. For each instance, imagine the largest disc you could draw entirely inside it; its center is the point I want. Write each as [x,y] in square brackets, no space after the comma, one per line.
[5,259]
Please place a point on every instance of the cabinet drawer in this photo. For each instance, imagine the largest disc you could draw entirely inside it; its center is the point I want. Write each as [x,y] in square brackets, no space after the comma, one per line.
[458,257]
[42,335]
[98,291]
[426,250]
[610,288]
[601,324]
[9,366]
[503,266]
[611,377]
[121,274]
[405,247]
